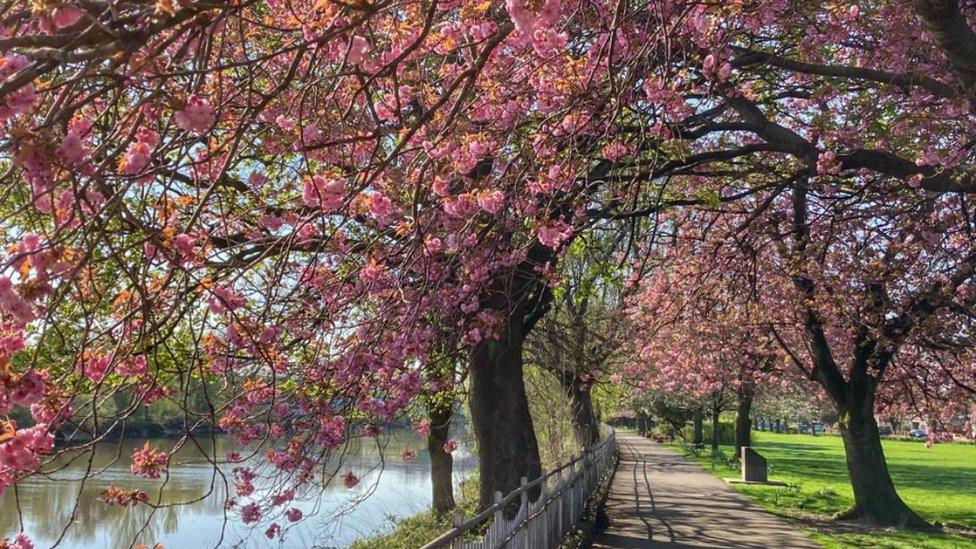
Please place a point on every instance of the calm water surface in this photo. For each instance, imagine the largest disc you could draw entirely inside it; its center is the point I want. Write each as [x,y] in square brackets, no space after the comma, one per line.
[390,489]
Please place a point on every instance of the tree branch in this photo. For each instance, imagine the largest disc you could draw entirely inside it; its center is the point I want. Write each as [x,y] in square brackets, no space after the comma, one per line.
[952,34]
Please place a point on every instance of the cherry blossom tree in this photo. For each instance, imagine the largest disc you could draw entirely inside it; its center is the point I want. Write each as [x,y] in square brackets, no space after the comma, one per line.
[853,296]
[316,195]
[859,239]
[699,329]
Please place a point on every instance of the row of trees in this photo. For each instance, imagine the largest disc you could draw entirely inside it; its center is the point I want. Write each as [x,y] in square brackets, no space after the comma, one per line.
[337,204]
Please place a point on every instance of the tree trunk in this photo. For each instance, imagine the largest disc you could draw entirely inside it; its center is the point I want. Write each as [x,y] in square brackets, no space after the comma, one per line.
[507,447]
[698,437]
[743,425]
[441,461]
[715,414]
[875,498]
[585,427]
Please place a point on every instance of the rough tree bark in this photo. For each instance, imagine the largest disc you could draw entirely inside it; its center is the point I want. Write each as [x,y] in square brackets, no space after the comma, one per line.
[585,427]
[743,424]
[507,446]
[951,32]
[698,437]
[875,499]
[441,461]
[642,423]
[715,428]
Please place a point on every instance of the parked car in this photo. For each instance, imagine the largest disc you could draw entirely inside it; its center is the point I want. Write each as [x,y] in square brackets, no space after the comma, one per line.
[917,433]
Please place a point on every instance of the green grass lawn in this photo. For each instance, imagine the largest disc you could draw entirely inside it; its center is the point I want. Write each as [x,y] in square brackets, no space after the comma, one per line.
[939,483]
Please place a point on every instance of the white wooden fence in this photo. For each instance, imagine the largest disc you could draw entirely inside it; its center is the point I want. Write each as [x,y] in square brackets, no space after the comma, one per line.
[545,522]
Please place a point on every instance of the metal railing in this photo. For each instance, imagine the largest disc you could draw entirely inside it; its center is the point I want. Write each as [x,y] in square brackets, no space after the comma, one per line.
[546,521]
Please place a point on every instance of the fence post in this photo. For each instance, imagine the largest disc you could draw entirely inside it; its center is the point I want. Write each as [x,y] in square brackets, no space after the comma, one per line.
[498,524]
[560,491]
[535,526]
[456,521]
[524,498]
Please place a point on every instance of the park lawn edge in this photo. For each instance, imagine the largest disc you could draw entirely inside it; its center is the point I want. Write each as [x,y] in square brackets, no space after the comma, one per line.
[844,535]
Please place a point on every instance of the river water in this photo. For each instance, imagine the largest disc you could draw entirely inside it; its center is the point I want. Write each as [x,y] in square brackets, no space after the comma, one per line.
[389,488]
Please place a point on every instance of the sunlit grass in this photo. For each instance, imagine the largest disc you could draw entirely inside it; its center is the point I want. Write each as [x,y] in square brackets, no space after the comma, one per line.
[939,483]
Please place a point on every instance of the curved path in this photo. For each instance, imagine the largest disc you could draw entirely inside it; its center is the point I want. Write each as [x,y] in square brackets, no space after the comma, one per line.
[660,498]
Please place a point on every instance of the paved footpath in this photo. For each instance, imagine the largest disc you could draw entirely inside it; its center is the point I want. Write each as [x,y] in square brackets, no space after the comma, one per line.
[660,498]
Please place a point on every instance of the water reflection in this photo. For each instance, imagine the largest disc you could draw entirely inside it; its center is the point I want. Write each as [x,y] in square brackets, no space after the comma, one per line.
[335,517]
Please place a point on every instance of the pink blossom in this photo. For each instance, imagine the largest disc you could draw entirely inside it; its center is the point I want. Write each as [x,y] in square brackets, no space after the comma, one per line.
[23,451]
[554,234]
[184,244]
[148,462]
[72,149]
[135,366]
[440,186]
[492,201]
[12,303]
[272,530]
[226,299]
[28,389]
[324,193]
[357,47]
[408,454]
[283,497]
[708,63]
[197,116]
[250,513]
[294,514]
[136,157]
[380,206]
[350,480]
[21,541]
[432,245]
[149,250]
[65,16]
[615,151]
[244,481]
[310,134]
[450,445]
[527,21]
[331,431]
[21,99]
[422,427]
[96,367]
[285,123]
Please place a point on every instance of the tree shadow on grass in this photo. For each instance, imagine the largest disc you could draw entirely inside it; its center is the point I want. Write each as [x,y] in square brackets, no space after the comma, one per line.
[923,485]
[951,534]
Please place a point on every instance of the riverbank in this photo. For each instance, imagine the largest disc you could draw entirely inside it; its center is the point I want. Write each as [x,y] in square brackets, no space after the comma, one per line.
[415,531]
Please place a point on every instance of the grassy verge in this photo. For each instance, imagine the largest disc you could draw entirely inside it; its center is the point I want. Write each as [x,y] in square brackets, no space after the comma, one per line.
[938,482]
[415,531]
